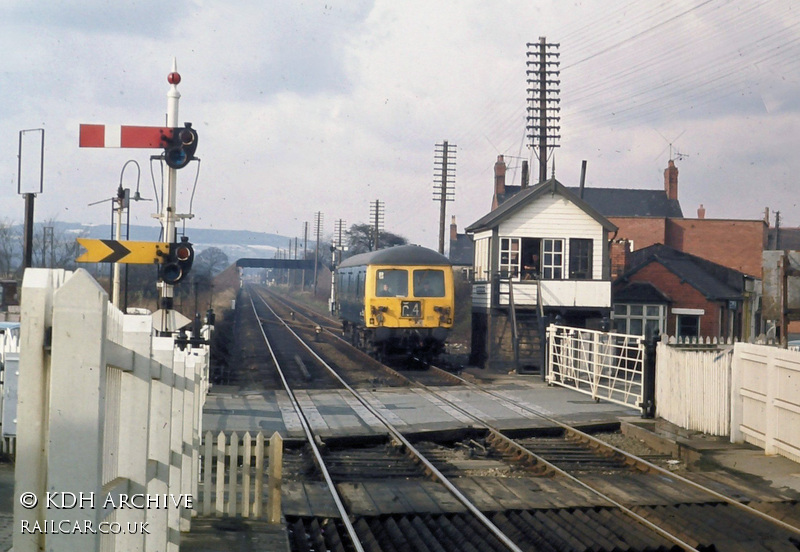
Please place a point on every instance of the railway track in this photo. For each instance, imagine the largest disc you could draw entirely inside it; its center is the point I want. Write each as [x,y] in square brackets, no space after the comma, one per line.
[610,500]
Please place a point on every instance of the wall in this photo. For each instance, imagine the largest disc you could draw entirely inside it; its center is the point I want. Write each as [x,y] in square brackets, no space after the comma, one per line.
[737,244]
[642,231]
[683,295]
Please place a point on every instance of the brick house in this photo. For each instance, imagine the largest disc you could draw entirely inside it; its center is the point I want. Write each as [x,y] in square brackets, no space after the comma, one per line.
[683,295]
[648,217]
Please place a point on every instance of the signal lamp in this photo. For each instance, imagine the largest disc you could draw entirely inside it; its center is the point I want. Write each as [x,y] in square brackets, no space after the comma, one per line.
[180,148]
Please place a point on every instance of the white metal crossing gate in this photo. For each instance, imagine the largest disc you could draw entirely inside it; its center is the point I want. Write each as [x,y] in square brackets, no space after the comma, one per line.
[604,365]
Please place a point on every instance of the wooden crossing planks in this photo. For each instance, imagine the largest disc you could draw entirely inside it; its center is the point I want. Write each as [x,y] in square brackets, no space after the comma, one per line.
[404,496]
[307,499]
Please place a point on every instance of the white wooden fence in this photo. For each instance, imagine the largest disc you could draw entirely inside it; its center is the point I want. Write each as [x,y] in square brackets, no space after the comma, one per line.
[105,412]
[232,476]
[693,388]
[766,399]
[750,392]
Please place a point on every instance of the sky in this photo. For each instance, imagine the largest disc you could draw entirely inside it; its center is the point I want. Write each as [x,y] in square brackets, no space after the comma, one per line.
[306,107]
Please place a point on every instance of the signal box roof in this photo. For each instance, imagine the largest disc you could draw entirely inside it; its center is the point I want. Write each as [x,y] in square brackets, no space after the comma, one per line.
[399,255]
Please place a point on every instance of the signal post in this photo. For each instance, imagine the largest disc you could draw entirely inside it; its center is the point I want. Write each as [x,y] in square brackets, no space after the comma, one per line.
[175,258]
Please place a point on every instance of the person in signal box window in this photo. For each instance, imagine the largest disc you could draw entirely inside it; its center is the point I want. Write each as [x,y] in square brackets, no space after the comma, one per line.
[530,270]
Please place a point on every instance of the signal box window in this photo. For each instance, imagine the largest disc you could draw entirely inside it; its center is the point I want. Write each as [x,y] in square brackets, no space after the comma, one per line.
[580,259]
[509,257]
[392,283]
[552,259]
[428,283]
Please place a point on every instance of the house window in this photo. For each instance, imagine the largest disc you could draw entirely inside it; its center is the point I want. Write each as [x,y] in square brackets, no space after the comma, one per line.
[509,257]
[580,259]
[643,320]
[552,259]
[688,325]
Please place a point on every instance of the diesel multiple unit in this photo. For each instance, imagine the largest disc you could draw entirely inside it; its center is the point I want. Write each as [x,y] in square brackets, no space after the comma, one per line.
[396,301]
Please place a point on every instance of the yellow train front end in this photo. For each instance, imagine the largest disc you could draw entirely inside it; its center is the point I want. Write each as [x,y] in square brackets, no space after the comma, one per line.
[409,309]
[409,297]
[397,301]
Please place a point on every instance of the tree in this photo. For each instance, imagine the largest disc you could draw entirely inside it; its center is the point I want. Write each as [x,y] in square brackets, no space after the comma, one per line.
[361,238]
[10,241]
[210,262]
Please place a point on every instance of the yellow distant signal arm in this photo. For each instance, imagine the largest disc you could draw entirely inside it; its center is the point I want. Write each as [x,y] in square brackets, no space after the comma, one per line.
[125,252]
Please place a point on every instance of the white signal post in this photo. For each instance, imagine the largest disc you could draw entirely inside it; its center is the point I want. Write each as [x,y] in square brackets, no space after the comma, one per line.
[168,217]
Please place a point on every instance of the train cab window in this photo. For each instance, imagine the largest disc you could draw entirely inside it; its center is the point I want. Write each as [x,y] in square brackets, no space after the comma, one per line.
[428,283]
[391,283]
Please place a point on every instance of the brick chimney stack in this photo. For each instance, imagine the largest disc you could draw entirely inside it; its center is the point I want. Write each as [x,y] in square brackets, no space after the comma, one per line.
[453,229]
[500,176]
[701,212]
[671,180]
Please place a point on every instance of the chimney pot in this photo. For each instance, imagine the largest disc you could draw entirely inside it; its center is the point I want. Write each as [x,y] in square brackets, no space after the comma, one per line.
[701,212]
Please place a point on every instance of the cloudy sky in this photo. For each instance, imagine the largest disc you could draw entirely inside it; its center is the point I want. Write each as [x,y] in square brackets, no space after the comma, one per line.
[325,106]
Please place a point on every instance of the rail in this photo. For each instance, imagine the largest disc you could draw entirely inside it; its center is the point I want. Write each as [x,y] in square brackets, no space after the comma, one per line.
[399,438]
[502,442]
[600,444]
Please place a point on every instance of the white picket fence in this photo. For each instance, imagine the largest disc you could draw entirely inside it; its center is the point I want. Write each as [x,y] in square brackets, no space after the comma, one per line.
[105,411]
[693,388]
[9,360]
[750,392]
[232,476]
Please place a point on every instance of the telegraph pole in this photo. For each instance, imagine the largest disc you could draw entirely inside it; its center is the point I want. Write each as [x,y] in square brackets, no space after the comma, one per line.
[336,248]
[305,254]
[376,214]
[317,231]
[543,89]
[444,173]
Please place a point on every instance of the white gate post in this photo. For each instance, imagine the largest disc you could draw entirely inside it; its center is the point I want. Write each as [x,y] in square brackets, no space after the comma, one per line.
[159,442]
[30,476]
[77,406]
[737,402]
[190,440]
[134,420]
[176,445]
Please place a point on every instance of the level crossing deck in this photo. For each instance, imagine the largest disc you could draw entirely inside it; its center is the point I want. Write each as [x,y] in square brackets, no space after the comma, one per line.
[335,413]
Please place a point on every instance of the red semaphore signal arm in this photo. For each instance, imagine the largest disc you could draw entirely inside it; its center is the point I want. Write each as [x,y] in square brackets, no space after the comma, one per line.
[120,136]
